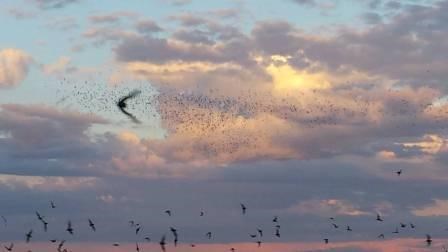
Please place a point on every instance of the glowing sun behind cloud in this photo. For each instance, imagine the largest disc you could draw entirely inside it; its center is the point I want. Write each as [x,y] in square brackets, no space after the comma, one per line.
[286,79]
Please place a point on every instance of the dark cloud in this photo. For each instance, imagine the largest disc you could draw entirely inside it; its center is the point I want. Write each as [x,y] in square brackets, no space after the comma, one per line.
[148,26]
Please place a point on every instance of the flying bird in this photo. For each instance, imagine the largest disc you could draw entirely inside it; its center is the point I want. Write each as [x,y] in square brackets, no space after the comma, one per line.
[69,227]
[428,240]
[122,105]
[174,231]
[10,247]
[92,225]
[29,235]
[60,245]
[5,222]
[163,243]
[243,208]
[399,172]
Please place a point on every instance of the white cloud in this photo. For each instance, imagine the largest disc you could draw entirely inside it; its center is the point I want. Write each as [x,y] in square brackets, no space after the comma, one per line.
[14,66]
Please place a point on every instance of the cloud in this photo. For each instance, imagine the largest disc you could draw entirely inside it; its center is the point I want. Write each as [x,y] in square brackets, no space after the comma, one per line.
[439,207]
[62,65]
[330,207]
[54,4]
[14,66]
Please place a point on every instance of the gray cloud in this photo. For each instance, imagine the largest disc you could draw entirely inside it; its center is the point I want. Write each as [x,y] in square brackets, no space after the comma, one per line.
[54,4]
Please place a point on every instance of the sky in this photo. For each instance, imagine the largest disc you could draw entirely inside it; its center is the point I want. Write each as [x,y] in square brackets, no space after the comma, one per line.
[300,109]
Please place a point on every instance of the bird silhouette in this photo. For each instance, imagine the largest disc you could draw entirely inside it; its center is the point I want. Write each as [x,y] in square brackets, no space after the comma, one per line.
[162,243]
[428,240]
[243,208]
[61,245]
[334,225]
[29,235]
[378,217]
[5,221]
[381,236]
[275,220]
[52,205]
[137,230]
[277,232]
[69,228]
[168,212]
[402,225]
[349,228]
[174,232]
[260,232]
[92,225]
[10,247]
[326,240]
[209,235]
[202,214]
[122,105]
[399,172]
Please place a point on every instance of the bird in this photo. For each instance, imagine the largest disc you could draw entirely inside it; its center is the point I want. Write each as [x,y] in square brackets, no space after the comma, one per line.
[69,227]
[428,240]
[60,245]
[243,208]
[29,235]
[5,222]
[275,220]
[277,233]
[260,232]
[122,105]
[334,225]
[326,240]
[147,239]
[116,244]
[168,212]
[381,236]
[399,172]
[253,235]
[39,217]
[378,217]
[202,214]
[209,235]
[349,228]
[162,243]
[92,225]
[402,225]
[45,226]
[52,205]
[411,225]
[10,247]
[174,231]
[137,230]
